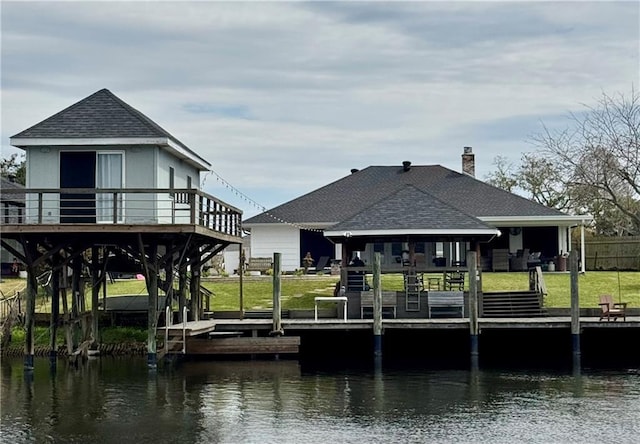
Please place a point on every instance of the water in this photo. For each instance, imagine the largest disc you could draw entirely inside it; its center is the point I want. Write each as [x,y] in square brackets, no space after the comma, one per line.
[120,401]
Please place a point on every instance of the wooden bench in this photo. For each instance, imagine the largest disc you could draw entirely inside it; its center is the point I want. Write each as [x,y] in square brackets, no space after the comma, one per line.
[261,264]
[335,299]
[389,300]
[451,300]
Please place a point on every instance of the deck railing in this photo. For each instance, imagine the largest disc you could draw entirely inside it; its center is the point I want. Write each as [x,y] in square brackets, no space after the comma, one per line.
[131,206]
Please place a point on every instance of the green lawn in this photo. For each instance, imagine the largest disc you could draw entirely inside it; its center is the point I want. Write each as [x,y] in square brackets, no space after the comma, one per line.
[298,291]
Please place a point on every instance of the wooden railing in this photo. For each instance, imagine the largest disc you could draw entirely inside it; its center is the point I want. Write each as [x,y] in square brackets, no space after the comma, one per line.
[131,206]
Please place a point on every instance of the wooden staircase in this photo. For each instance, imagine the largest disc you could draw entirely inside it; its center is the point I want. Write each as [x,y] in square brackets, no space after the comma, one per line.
[513,304]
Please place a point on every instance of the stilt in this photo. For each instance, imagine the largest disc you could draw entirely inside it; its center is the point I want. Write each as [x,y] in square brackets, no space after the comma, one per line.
[152,288]
[55,311]
[77,303]
[241,280]
[95,297]
[32,290]
[474,330]
[575,308]
[182,288]
[277,311]
[377,307]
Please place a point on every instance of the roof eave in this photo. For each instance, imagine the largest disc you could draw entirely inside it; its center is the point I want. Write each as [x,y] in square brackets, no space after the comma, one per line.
[537,221]
[415,232]
[175,148]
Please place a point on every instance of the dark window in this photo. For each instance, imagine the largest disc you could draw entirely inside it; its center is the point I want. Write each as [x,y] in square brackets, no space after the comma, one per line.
[172,176]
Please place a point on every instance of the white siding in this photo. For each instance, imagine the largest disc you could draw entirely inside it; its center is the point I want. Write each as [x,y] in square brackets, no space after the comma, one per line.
[277,238]
[182,170]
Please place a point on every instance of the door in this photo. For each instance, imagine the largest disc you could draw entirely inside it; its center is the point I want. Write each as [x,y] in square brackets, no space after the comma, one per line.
[77,170]
[109,175]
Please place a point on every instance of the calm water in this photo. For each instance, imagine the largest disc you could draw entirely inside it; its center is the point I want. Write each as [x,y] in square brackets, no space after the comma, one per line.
[119,401]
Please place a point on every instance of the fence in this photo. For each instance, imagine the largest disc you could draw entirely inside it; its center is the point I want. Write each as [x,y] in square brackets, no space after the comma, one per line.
[612,253]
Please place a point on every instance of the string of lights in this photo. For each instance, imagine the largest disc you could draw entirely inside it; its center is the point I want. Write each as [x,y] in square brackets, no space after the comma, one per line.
[255,204]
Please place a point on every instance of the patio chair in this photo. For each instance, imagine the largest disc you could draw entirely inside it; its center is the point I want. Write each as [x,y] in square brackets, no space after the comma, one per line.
[612,309]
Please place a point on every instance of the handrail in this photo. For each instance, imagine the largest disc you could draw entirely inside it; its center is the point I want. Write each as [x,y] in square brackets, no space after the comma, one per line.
[131,206]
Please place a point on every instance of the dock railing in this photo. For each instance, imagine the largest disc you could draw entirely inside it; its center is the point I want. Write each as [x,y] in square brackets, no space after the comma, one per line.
[131,206]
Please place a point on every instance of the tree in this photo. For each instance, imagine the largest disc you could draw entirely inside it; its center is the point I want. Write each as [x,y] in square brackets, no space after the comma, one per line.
[600,154]
[590,167]
[14,169]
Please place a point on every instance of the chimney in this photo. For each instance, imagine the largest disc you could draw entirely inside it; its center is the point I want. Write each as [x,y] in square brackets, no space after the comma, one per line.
[406,165]
[354,170]
[469,162]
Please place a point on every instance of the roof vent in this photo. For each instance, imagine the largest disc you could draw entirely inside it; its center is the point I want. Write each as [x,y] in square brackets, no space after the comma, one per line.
[354,170]
[406,165]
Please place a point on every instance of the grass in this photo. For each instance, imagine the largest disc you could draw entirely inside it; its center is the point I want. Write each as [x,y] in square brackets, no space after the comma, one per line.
[298,291]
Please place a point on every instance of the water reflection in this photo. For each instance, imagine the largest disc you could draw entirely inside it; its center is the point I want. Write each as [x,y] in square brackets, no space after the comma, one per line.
[119,400]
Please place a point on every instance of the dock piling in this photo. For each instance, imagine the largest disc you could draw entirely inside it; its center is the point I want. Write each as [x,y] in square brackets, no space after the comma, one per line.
[277,312]
[377,307]
[575,307]
[472,264]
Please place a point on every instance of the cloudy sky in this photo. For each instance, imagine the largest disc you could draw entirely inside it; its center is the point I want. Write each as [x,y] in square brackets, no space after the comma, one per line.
[285,97]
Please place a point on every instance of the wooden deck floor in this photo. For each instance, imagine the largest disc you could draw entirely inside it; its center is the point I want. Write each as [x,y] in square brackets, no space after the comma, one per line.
[452,323]
[193,328]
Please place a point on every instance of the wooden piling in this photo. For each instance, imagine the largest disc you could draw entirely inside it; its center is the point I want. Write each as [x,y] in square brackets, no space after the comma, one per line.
[95,297]
[575,305]
[474,331]
[55,310]
[277,309]
[32,290]
[152,289]
[377,307]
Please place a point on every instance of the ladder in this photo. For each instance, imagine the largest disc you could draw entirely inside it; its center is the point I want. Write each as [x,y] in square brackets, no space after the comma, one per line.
[412,287]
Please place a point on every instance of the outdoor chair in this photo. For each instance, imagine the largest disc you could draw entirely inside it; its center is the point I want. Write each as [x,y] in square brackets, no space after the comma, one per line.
[612,309]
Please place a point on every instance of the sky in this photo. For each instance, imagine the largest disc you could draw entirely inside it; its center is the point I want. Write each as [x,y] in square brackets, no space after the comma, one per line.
[285,97]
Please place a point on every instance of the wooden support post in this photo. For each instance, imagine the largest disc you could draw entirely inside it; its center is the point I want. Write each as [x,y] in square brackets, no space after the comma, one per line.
[575,307]
[377,307]
[77,303]
[195,289]
[32,291]
[241,280]
[182,288]
[152,315]
[55,310]
[277,310]
[474,330]
[344,275]
[95,297]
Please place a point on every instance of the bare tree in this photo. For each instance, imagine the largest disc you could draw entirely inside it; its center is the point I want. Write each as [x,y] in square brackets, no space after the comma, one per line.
[13,168]
[600,158]
[504,175]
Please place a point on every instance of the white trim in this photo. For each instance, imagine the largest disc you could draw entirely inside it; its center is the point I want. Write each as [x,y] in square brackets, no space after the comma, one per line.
[167,143]
[319,226]
[533,221]
[402,232]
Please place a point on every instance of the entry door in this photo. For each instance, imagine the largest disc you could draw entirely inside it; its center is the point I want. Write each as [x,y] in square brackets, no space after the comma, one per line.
[109,175]
[77,170]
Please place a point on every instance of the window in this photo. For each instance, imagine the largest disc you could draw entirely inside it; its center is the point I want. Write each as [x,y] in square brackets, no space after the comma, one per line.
[172,179]
[188,182]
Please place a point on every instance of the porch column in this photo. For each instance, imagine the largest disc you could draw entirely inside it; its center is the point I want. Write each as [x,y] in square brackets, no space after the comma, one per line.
[583,254]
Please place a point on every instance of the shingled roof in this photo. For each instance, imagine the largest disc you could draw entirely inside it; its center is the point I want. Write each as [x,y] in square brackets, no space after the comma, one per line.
[345,198]
[412,210]
[102,115]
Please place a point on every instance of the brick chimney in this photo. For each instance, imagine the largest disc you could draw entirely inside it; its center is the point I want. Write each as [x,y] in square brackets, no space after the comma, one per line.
[469,162]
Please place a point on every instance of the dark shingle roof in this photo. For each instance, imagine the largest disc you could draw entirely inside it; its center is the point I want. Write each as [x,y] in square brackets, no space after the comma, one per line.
[8,192]
[410,209]
[99,116]
[348,196]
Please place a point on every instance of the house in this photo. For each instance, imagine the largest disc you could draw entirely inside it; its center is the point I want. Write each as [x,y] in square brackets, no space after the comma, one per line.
[102,142]
[379,208]
[103,180]
[12,202]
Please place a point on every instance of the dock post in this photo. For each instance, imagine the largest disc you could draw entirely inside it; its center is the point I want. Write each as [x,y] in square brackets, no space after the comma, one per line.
[474,330]
[55,311]
[32,291]
[277,310]
[575,307]
[95,296]
[377,307]
[152,321]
